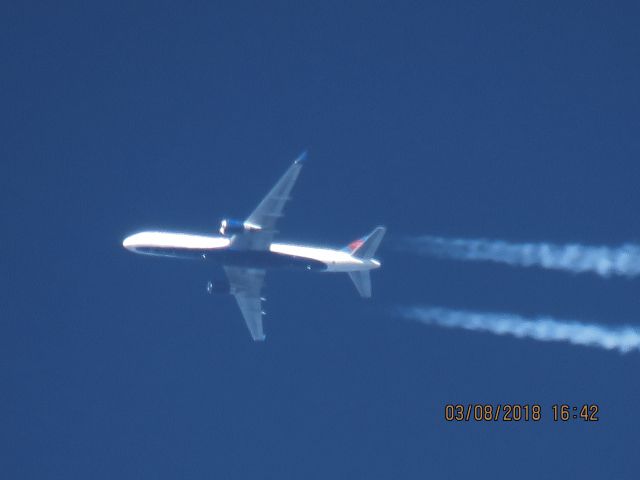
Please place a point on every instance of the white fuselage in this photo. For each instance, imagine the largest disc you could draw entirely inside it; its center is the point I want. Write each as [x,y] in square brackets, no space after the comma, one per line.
[220,249]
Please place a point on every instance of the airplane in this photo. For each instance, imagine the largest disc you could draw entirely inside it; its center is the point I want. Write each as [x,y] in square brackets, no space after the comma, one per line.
[245,249]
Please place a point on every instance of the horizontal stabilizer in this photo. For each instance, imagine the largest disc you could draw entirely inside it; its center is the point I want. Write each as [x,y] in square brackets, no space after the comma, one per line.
[362,281]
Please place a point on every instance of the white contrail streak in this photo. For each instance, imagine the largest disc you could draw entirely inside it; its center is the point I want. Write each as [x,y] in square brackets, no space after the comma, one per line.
[546,329]
[605,261]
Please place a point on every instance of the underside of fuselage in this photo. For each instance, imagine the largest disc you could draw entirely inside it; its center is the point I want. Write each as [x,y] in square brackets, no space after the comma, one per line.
[237,258]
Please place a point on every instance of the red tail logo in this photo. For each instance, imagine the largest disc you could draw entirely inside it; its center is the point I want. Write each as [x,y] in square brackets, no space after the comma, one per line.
[356,244]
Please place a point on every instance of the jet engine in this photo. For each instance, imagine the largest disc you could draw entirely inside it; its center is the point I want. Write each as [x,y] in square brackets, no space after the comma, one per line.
[233,227]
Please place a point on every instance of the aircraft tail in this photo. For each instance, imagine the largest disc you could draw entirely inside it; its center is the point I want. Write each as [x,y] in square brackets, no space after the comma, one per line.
[365,248]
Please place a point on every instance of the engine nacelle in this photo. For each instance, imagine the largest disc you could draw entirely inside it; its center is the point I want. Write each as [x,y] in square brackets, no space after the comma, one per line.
[234,227]
[219,288]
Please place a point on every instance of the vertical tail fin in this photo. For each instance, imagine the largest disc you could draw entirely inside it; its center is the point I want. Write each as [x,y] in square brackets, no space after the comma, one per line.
[366,246]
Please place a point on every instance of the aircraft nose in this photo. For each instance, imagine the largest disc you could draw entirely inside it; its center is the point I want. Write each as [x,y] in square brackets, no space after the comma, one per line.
[128,242]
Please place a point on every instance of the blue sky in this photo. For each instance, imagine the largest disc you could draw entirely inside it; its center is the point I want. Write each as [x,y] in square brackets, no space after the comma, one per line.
[485,119]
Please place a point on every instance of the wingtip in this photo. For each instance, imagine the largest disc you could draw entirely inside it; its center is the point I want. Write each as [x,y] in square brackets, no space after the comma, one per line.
[302,157]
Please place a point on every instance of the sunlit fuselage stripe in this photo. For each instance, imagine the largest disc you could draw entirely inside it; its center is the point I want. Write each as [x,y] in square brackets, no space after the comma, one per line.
[217,249]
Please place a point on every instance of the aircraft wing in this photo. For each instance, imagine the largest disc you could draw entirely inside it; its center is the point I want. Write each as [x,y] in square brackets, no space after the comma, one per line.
[269,211]
[246,285]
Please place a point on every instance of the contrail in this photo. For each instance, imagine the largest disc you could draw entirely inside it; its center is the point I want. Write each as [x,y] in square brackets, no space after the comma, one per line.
[605,261]
[546,329]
